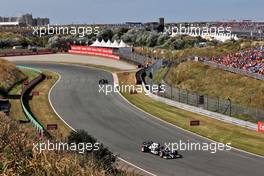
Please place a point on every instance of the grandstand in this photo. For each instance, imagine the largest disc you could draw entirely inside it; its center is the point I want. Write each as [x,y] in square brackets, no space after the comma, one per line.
[250,60]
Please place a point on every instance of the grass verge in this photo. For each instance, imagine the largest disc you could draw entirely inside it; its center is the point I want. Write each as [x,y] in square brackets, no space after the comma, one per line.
[40,104]
[158,77]
[197,77]
[20,157]
[16,110]
[18,88]
[41,108]
[248,140]
[9,76]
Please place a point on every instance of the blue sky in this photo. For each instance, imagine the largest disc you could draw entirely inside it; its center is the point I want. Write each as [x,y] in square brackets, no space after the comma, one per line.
[117,11]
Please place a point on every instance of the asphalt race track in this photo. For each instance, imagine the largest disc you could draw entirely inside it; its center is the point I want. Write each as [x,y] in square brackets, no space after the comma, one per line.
[69,58]
[123,128]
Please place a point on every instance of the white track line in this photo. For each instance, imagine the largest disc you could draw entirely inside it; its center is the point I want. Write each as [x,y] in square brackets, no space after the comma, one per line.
[136,166]
[52,104]
[116,81]
[240,150]
[147,172]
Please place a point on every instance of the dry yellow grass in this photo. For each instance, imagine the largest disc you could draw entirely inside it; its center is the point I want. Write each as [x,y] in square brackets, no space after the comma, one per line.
[197,77]
[9,76]
[19,158]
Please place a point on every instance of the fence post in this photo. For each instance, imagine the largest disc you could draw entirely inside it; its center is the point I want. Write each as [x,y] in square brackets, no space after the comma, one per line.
[197,99]
[179,94]
[187,96]
[171,91]
[230,106]
[218,105]
[257,115]
[207,102]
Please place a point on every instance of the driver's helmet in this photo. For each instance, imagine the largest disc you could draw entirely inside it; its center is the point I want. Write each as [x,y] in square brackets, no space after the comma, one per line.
[167,149]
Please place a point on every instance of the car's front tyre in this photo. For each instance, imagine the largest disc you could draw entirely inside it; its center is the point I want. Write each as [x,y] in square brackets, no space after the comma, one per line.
[143,149]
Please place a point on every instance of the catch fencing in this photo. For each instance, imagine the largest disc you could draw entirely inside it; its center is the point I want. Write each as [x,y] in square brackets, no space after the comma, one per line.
[214,104]
[134,58]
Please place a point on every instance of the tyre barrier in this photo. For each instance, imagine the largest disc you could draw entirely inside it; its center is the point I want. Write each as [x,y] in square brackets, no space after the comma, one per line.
[24,102]
[139,75]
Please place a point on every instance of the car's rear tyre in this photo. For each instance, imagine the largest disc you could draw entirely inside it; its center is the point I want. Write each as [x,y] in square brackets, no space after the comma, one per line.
[161,154]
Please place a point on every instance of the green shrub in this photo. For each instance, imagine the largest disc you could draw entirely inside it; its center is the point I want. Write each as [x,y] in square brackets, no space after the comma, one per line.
[103,157]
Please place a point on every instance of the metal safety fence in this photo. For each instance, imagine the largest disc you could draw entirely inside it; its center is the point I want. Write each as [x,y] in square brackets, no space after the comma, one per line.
[23,99]
[215,104]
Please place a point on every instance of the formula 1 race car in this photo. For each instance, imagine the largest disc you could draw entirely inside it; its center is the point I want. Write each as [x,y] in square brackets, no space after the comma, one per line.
[157,149]
[151,147]
[103,81]
[168,154]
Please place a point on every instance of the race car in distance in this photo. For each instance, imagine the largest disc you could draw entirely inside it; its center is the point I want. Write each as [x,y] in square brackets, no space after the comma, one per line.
[157,149]
[103,81]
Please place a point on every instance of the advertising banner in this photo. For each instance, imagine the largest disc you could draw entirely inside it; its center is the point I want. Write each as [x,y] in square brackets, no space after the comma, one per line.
[94,51]
[261,126]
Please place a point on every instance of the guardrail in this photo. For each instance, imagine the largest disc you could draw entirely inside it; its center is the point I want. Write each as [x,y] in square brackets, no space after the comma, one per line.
[26,90]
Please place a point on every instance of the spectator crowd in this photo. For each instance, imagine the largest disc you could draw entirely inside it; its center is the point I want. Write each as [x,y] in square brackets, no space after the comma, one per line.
[250,60]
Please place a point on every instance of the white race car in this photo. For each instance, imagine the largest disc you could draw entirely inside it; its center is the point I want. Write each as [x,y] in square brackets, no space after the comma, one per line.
[157,149]
[151,147]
